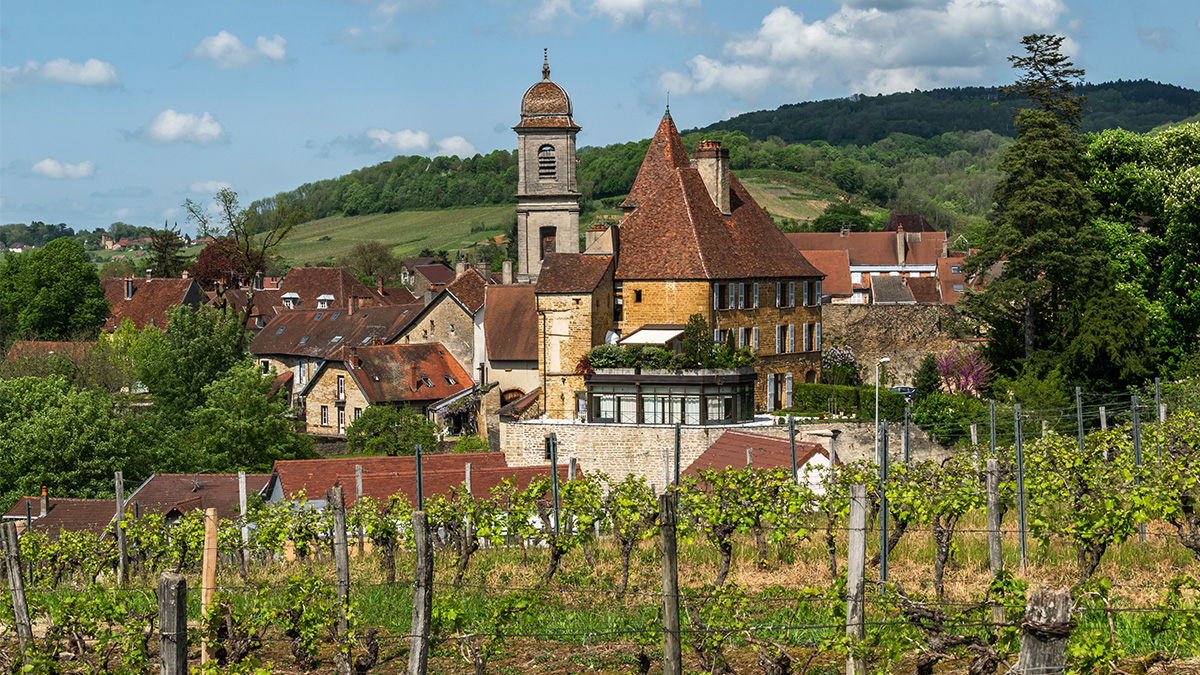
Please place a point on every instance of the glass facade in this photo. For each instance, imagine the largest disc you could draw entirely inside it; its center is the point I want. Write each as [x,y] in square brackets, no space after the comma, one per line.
[692,400]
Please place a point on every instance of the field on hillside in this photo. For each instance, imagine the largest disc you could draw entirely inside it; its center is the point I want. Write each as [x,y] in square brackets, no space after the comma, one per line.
[408,232]
[791,195]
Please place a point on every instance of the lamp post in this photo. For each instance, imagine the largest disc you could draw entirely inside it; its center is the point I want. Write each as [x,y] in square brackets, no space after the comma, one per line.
[878,363]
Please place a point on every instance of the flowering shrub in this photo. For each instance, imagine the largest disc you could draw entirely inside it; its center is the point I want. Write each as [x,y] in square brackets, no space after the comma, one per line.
[839,366]
[965,373]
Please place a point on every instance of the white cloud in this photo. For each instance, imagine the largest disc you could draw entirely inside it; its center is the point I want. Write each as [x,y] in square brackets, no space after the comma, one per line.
[1160,39]
[209,186]
[871,46]
[455,145]
[52,168]
[175,127]
[90,73]
[170,213]
[404,140]
[122,213]
[633,12]
[228,51]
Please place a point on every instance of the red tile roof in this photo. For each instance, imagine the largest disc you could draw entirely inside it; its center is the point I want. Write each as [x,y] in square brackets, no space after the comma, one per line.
[949,278]
[150,301]
[312,282]
[519,406]
[315,476]
[766,452]
[395,295]
[413,372]
[510,323]
[835,265]
[924,289]
[319,333]
[909,222]
[435,274]
[414,262]
[72,515]
[468,288]
[572,273]
[180,493]
[876,249]
[678,233]
[889,290]
[665,154]
[76,352]
[381,486]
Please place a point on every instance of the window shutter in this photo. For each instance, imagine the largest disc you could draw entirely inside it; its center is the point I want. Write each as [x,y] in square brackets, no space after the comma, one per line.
[716,296]
[729,301]
[787,391]
[779,294]
[740,337]
[806,337]
[791,299]
[820,294]
[778,339]
[805,284]
[817,347]
[791,337]
[754,290]
[771,391]
[717,336]
[741,290]
[754,338]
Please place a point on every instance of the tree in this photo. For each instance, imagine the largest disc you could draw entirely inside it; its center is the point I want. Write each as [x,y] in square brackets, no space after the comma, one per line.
[840,215]
[242,426]
[372,260]
[166,259]
[197,348]
[697,342]
[52,293]
[927,380]
[1041,228]
[216,264]
[255,232]
[68,439]
[390,431]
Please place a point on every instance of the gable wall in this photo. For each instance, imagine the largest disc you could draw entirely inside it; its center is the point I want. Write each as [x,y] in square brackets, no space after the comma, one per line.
[324,392]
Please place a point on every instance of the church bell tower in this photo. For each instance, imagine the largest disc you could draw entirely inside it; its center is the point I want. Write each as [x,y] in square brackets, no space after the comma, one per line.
[547,193]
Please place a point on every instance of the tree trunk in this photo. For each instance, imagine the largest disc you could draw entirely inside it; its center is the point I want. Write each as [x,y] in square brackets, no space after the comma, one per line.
[626,553]
[760,544]
[893,538]
[943,535]
[831,547]
[726,548]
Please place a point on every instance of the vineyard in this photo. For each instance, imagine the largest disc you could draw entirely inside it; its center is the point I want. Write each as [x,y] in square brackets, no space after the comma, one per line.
[575,577]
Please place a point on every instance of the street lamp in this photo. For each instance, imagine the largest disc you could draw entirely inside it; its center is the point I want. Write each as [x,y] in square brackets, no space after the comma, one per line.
[878,363]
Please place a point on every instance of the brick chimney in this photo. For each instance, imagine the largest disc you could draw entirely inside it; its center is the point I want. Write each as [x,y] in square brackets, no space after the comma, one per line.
[900,245]
[354,362]
[45,501]
[506,275]
[183,274]
[712,161]
[149,274]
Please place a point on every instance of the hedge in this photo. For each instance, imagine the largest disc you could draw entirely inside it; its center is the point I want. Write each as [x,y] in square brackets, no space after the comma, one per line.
[857,401]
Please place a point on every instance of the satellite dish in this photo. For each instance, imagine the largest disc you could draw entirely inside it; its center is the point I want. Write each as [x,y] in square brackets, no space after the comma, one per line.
[612,337]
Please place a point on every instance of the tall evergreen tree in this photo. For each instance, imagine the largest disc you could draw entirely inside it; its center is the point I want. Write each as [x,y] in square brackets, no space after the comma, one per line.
[1040,231]
[166,253]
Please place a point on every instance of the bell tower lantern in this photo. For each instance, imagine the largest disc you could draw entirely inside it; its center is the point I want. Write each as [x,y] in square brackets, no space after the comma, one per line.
[547,193]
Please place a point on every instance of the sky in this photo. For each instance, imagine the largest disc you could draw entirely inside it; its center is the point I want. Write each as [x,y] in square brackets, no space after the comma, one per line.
[120,110]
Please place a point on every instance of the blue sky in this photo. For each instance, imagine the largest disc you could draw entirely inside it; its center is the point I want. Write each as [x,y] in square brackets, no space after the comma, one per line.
[120,110]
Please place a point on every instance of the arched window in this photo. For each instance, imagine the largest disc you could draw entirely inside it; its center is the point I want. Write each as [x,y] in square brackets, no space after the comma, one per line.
[547,166]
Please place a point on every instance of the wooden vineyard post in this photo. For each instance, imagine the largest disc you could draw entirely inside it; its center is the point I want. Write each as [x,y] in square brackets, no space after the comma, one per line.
[122,550]
[208,580]
[995,551]
[422,615]
[1045,632]
[242,506]
[672,652]
[856,586]
[358,493]
[341,559]
[172,624]
[10,547]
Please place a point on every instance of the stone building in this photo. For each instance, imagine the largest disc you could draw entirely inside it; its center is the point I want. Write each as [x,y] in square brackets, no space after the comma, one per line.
[454,318]
[547,194]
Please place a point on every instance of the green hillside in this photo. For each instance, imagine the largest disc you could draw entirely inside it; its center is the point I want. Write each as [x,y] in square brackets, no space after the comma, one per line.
[408,232]
[1137,106]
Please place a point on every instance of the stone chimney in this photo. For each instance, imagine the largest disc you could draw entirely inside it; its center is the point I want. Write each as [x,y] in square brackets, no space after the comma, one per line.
[485,270]
[460,267]
[901,245]
[258,281]
[354,362]
[45,501]
[149,274]
[128,288]
[183,274]
[712,161]
[428,297]
[506,275]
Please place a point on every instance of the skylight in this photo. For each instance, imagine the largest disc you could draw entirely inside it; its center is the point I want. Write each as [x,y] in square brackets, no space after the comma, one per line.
[336,338]
[450,380]
[304,339]
[318,316]
[280,330]
[366,339]
[428,382]
[335,315]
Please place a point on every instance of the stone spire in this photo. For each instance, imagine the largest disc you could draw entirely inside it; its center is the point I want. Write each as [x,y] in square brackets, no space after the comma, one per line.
[545,63]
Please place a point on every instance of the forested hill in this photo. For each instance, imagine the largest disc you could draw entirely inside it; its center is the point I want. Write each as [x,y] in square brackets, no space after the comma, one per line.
[861,120]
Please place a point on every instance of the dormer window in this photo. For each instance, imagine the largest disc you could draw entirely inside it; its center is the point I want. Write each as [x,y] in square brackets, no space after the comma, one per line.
[290,300]
[547,165]
[323,301]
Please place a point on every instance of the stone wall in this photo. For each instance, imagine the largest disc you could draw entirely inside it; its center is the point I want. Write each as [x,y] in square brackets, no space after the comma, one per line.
[648,450]
[904,333]
[324,393]
[448,323]
[663,302]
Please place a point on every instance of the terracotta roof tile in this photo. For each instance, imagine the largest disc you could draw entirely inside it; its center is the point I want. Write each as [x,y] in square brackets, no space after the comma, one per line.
[150,300]
[924,289]
[678,233]
[889,290]
[413,372]
[184,492]
[468,288]
[766,452]
[665,154]
[519,406]
[912,222]
[315,476]
[72,515]
[835,265]
[572,272]
[436,273]
[873,248]
[510,323]
[949,279]
[381,486]
[395,295]
[318,333]
[76,352]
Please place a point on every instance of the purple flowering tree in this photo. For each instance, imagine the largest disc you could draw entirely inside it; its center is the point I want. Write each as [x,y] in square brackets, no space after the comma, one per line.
[839,366]
[964,372]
